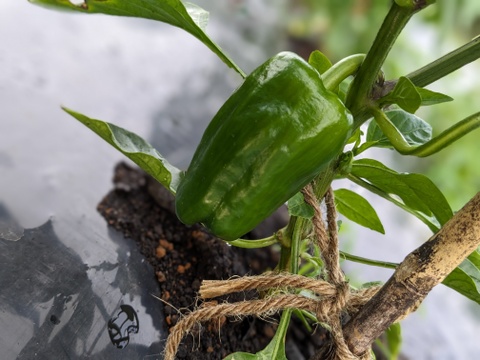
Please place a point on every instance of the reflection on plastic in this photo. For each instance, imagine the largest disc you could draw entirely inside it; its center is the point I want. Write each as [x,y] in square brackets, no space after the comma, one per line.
[121,326]
[153,357]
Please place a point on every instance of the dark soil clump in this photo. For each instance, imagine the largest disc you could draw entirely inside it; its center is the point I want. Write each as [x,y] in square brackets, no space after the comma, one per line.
[184,256]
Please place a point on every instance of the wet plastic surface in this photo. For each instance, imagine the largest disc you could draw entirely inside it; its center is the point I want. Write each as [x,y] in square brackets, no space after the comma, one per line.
[63,274]
[53,305]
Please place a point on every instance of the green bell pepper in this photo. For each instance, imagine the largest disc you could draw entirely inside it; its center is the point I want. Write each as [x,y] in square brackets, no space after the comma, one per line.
[277,131]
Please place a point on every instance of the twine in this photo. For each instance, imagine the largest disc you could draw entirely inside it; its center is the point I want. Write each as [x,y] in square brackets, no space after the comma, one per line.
[328,243]
[332,297]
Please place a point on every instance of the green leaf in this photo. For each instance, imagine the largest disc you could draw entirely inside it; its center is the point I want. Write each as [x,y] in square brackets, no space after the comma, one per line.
[405,95]
[416,191]
[415,130]
[319,61]
[274,350]
[186,16]
[245,356]
[357,209]
[465,279]
[198,15]
[430,97]
[356,137]
[298,207]
[136,149]
[394,340]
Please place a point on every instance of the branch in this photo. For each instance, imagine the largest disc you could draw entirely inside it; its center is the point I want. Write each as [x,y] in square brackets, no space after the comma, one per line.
[446,64]
[421,270]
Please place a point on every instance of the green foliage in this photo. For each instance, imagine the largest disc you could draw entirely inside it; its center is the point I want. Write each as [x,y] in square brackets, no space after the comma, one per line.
[298,207]
[414,130]
[430,97]
[274,350]
[465,279]
[136,149]
[394,341]
[416,191]
[319,61]
[405,95]
[358,209]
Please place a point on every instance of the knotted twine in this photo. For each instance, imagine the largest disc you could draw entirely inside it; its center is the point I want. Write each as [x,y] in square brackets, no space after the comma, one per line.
[333,296]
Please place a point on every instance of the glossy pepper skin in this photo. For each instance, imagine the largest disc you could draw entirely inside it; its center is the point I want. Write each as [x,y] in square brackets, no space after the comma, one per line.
[277,131]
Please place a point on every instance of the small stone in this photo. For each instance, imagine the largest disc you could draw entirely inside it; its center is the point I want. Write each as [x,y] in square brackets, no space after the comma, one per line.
[166,244]
[161,276]
[160,252]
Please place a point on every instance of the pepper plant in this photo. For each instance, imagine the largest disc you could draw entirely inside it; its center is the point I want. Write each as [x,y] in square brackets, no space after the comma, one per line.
[293,122]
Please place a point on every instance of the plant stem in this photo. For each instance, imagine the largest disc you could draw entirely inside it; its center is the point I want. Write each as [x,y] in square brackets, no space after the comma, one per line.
[323,181]
[258,243]
[289,260]
[446,64]
[286,245]
[341,70]
[362,260]
[358,96]
[297,238]
[282,329]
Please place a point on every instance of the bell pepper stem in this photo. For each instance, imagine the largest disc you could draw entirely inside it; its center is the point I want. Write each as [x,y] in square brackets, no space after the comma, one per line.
[341,70]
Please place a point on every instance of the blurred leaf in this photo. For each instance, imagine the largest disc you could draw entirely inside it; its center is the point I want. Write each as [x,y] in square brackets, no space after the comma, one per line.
[135,148]
[319,61]
[465,279]
[298,207]
[416,191]
[186,16]
[274,350]
[430,97]
[356,136]
[358,209]
[415,130]
[390,346]
[405,95]
[394,340]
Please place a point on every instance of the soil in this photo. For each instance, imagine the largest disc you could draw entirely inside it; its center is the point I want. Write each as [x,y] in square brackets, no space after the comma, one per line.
[184,256]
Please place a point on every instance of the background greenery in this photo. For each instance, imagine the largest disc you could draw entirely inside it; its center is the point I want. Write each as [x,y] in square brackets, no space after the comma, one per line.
[432,33]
